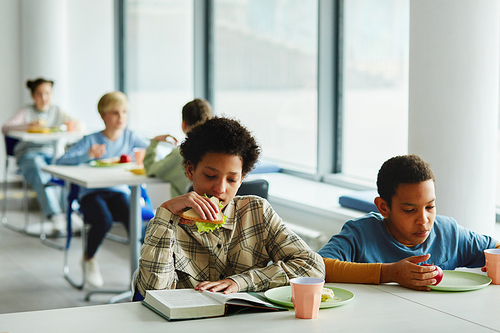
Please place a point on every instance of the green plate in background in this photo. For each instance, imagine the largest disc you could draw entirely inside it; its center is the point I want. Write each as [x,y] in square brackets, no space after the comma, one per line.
[283,295]
[461,281]
[99,164]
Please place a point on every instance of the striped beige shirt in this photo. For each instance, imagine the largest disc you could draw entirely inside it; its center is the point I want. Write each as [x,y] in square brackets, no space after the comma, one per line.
[254,248]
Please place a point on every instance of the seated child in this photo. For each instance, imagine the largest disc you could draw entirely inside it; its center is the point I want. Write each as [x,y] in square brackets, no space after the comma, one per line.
[33,156]
[387,247]
[102,206]
[252,251]
[170,169]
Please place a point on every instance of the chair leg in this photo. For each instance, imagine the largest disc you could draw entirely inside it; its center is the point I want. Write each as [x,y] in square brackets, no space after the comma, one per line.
[66,269]
[5,222]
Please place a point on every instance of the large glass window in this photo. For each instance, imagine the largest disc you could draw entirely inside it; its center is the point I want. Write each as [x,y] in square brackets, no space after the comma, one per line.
[159,64]
[265,74]
[375,84]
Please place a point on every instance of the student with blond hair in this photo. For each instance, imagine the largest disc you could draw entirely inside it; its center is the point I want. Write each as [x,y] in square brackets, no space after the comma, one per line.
[102,206]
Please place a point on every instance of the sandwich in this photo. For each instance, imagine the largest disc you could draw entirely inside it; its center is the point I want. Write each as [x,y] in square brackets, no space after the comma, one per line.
[327,294]
[190,216]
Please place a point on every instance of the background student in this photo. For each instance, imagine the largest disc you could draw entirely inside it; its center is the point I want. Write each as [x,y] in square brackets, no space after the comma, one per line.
[252,251]
[170,168]
[32,156]
[102,206]
[388,246]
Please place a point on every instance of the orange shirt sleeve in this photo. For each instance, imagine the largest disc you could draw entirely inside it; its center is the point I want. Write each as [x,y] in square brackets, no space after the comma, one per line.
[351,272]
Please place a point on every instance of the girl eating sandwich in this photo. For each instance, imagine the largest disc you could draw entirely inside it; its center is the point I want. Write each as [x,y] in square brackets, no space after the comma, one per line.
[251,251]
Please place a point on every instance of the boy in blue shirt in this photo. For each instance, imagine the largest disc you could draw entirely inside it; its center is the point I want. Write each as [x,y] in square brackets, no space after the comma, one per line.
[102,206]
[388,246]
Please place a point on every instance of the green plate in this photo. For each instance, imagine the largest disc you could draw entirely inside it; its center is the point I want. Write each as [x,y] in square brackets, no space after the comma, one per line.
[283,295]
[99,164]
[461,281]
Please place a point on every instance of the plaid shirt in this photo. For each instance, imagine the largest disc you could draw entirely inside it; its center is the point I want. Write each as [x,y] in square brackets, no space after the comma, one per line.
[254,248]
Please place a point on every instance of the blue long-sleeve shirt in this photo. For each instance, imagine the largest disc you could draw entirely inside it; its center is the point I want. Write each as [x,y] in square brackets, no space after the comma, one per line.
[125,144]
[366,240]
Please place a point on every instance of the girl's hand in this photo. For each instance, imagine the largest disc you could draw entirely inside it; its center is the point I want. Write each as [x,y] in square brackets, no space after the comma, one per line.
[201,204]
[97,151]
[38,123]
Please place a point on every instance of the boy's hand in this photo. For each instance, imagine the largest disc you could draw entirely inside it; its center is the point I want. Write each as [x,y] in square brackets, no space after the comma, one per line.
[408,274]
[227,286]
[202,205]
[97,151]
[166,138]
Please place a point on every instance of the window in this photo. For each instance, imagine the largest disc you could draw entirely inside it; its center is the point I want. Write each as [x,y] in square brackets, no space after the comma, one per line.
[375,84]
[265,74]
[263,70]
[159,64]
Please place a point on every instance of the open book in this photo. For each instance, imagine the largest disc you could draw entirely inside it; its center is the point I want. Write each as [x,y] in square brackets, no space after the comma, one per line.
[189,303]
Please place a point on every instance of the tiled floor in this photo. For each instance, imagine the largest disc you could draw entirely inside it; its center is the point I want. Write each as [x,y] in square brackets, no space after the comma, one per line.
[31,276]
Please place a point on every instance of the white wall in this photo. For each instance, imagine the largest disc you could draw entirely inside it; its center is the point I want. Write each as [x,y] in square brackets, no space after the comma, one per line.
[10,66]
[453,103]
[87,55]
[91,57]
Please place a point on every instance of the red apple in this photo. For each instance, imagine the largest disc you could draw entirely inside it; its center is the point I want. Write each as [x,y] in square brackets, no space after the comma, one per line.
[438,277]
[125,158]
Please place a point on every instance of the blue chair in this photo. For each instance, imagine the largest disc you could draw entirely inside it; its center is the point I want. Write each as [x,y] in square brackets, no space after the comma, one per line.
[258,187]
[147,214]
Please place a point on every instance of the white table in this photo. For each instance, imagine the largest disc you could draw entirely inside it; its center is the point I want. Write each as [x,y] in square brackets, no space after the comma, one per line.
[372,310]
[58,139]
[93,177]
[479,306]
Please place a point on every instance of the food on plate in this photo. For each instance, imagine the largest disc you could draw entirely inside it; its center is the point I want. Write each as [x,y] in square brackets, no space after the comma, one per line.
[38,129]
[191,217]
[125,158]
[107,162]
[138,171]
[438,277]
[327,294]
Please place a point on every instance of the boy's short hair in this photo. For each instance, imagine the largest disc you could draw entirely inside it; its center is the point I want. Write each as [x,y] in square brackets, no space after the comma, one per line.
[220,135]
[111,99]
[196,111]
[405,169]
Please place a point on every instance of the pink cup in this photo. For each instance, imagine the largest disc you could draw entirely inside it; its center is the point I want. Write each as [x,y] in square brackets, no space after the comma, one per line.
[306,296]
[492,257]
[139,154]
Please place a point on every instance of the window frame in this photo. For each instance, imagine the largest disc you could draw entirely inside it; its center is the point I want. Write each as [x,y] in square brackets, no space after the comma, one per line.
[329,84]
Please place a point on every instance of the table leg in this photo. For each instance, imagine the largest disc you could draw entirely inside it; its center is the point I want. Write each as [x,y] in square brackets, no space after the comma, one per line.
[135,227]
[135,231]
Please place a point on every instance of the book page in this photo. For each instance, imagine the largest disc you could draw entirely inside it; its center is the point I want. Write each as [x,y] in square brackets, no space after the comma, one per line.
[184,298]
[236,298]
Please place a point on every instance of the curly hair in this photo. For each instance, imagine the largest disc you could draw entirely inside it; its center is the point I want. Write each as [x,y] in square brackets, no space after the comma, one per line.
[197,110]
[220,135]
[405,169]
